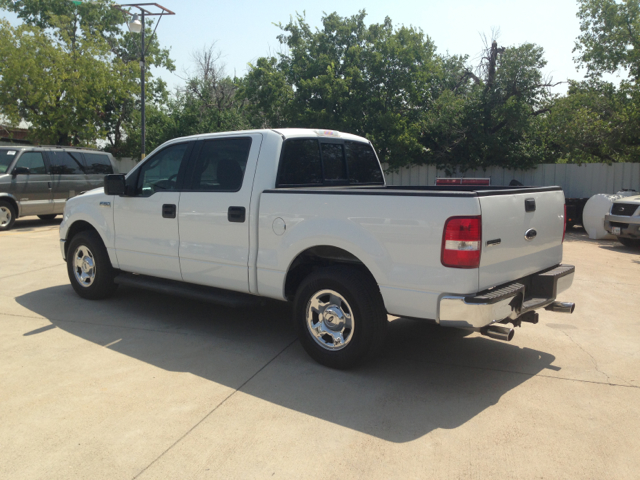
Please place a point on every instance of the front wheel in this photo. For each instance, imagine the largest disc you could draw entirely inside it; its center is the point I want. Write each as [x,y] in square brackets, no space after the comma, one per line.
[7,216]
[629,242]
[340,316]
[89,267]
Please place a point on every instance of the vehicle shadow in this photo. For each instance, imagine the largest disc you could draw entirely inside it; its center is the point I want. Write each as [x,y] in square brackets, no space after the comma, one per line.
[26,224]
[427,377]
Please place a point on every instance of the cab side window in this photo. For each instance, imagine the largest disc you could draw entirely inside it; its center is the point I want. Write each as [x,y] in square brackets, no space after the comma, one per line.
[220,165]
[300,163]
[33,161]
[160,172]
[66,163]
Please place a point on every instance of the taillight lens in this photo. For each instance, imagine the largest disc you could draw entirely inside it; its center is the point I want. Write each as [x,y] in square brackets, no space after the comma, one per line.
[461,242]
[564,232]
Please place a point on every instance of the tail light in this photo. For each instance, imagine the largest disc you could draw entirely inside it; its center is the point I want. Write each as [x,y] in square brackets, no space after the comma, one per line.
[461,242]
[564,232]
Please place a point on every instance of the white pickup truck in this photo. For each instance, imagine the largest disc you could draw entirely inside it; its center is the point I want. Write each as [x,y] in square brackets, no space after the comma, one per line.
[305,216]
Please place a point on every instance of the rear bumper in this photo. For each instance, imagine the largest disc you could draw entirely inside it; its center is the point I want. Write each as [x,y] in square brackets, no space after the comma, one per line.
[629,226]
[507,301]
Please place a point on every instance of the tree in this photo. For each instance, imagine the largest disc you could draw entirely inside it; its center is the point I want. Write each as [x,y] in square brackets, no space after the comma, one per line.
[96,65]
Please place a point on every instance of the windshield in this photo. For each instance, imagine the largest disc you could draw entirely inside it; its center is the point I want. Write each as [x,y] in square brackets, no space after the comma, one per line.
[7,155]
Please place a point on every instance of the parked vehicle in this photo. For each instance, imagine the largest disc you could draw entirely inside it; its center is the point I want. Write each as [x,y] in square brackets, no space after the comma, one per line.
[305,216]
[39,180]
[623,220]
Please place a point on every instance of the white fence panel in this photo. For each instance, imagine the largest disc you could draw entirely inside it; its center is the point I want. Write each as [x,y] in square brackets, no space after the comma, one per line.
[577,181]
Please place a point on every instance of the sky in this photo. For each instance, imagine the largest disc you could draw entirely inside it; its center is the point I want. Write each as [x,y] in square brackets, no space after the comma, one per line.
[244,30]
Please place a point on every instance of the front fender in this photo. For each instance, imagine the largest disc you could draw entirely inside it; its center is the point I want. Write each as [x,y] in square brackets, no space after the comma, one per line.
[96,209]
[7,195]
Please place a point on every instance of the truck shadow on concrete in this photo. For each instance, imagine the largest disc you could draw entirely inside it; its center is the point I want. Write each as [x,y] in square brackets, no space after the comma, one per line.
[427,377]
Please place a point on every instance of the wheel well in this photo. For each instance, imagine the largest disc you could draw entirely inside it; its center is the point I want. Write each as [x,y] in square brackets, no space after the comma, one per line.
[76,228]
[317,257]
[13,203]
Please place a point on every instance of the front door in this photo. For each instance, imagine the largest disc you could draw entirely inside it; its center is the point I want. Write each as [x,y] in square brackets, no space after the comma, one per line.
[146,223]
[33,189]
[214,212]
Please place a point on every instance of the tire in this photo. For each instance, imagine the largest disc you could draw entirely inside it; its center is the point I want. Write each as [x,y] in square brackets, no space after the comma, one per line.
[48,217]
[629,242]
[340,317]
[8,216]
[89,268]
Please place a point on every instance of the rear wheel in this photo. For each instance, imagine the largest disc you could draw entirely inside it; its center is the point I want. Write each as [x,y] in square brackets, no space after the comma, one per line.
[89,267]
[47,217]
[340,316]
[629,242]
[7,215]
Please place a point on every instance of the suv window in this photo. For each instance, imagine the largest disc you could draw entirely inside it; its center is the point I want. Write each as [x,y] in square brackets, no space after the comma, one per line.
[33,161]
[300,163]
[98,163]
[221,165]
[7,156]
[160,172]
[66,163]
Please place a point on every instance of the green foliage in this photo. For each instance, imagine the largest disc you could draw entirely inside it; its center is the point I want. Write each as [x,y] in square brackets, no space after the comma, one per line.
[82,68]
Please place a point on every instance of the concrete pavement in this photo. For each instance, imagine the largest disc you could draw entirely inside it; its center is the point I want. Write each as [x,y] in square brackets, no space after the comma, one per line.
[147,386]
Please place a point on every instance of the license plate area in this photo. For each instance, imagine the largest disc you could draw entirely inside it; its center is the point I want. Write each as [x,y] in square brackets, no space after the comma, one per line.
[615,230]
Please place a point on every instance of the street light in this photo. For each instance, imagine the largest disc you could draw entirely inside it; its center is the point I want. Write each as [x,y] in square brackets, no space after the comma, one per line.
[136,25]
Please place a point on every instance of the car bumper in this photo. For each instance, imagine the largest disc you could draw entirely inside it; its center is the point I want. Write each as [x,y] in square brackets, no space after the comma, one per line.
[507,302]
[629,226]
[62,249]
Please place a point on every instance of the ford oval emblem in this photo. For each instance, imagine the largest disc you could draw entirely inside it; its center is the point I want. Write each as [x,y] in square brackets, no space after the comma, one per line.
[530,234]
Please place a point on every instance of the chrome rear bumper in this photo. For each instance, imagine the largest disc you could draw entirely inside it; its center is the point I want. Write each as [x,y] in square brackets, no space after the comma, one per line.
[507,302]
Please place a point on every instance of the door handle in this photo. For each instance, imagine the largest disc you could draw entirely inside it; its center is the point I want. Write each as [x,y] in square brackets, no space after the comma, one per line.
[169,211]
[236,214]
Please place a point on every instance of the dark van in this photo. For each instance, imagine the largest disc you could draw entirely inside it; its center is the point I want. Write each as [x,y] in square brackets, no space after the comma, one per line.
[39,180]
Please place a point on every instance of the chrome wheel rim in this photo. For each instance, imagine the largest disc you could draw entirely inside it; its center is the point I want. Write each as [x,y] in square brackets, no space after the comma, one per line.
[330,320]
[84,266]
[5,216]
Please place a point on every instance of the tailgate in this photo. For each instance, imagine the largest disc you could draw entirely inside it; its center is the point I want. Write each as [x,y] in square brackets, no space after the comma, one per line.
[506,253]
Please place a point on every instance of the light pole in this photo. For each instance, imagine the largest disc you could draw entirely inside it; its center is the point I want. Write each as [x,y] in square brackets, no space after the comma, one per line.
[136,25]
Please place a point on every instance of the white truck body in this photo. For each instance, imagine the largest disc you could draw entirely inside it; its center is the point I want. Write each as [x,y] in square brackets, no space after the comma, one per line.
[396,234]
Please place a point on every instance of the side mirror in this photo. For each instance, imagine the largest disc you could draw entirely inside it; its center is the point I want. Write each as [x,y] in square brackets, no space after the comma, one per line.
[20,171]
[114,185]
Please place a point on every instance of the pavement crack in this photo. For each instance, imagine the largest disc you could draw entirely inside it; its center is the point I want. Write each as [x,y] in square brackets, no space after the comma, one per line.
[593,360]
[215,408]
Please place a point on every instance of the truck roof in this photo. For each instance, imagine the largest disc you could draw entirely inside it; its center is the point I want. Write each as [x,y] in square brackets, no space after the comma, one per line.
[285,132]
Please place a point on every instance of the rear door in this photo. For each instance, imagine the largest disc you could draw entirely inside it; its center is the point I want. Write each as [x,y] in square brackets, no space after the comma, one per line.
[68,176]
[97,165]
[521,234]
[214,212]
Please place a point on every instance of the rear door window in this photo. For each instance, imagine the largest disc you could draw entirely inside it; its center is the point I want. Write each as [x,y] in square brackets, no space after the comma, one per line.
[66,163]
[33,161]
[97,164]
[220,165]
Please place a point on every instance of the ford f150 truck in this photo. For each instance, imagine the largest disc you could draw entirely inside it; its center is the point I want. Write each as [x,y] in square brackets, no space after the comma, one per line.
[305,216]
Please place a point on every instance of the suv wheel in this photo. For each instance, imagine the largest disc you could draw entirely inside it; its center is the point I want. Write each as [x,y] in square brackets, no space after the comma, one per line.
[89,268]
[7,216]
[340,316]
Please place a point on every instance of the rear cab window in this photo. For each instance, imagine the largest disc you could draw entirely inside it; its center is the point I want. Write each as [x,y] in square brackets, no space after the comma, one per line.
[319,162]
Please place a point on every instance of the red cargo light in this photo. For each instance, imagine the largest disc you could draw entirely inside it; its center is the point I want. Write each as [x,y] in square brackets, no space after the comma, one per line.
[564,232]
[462,242]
